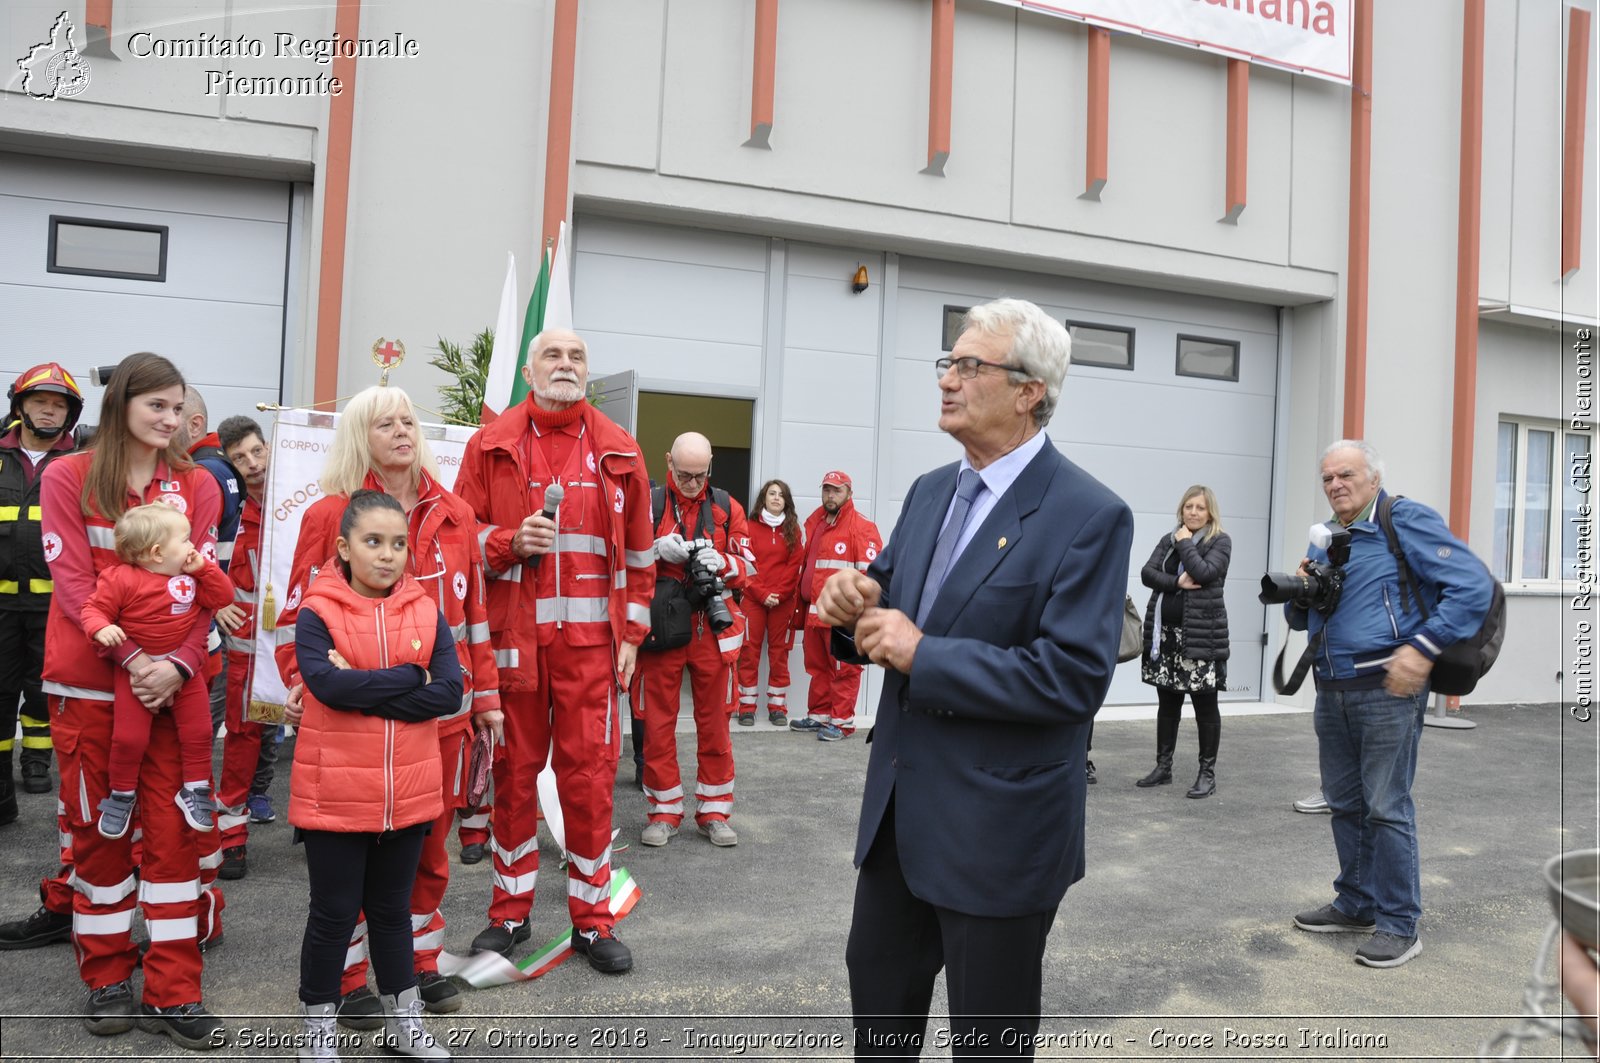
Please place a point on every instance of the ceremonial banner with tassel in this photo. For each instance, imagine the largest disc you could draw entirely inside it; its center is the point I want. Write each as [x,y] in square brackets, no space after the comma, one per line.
[301,440]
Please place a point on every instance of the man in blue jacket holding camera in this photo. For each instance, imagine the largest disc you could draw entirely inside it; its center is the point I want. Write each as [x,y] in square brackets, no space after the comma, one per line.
[1375,646]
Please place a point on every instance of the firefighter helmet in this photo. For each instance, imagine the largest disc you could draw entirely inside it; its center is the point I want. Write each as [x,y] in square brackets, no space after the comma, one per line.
[46,377]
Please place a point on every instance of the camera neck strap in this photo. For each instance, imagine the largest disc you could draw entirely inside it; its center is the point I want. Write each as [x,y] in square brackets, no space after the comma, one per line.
[706,518]
[1303,666]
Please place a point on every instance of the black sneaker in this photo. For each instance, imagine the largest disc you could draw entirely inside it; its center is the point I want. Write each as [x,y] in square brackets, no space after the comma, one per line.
[439,994]
[360,1009]
[472,853]
[35,777]
[1088,773]
[43,927]
[1388,950]
[778,717]
[191,1025]
[501,936]
[234,864]
[806,723]
[1330,920]
[606,954]
[110,1010]
[747,719]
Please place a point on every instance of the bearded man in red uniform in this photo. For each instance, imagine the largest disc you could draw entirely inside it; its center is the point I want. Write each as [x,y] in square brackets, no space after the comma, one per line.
[569,604]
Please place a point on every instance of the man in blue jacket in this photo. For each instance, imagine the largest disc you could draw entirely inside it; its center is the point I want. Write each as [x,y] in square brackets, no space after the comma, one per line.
[1374,653]
[996,610]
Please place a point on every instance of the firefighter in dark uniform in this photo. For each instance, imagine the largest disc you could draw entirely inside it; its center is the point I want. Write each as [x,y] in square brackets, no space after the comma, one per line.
[45,405]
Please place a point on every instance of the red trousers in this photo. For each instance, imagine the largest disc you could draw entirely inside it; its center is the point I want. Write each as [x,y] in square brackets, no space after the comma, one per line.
[570,722]
[655,700]
[190,711]
[772,627]
[172,887]
[834,684]
[241,750]
[433,874]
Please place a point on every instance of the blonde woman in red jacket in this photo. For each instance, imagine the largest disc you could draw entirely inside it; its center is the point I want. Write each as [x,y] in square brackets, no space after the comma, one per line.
[380,668]
[769,601]
[379,445]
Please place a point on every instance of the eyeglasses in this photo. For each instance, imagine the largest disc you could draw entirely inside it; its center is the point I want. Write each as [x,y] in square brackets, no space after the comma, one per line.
[968,367]
[690,477]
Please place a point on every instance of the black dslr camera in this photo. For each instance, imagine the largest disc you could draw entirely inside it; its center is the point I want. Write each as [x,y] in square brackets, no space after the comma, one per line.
[1323,582]
[706,587]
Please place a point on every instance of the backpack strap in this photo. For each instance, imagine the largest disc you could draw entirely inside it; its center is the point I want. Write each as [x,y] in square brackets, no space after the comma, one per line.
[1408,582]
[658,506]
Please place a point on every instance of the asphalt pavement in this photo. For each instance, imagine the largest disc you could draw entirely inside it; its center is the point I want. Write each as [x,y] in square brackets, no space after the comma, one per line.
[1178,944]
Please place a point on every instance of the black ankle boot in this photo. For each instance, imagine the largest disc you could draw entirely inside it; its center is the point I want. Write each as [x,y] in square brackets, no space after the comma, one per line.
[1205,784]
[1162,773]
[8,794]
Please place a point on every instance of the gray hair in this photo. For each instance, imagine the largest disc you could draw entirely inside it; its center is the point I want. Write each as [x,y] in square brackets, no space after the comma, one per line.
[1368,452]
[1040,345]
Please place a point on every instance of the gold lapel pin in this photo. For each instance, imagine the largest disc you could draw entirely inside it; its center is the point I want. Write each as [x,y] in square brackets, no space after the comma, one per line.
[1002,542]
[416,644]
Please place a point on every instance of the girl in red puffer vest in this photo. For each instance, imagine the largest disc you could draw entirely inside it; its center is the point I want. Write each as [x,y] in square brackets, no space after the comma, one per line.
[380,667]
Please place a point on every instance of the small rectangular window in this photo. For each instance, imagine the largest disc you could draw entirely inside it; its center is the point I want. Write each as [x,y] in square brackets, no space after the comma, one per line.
[1212,359]
[95,248]
[953,317]
[1106,346]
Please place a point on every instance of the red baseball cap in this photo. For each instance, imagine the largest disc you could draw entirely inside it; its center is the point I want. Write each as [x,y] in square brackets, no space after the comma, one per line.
[837,479]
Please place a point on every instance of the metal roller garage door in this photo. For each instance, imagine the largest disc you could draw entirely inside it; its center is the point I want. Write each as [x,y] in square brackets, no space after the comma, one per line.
[207,257]
[845,379]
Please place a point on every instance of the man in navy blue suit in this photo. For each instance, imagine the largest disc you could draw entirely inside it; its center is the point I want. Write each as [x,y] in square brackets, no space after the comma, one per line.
[995,610]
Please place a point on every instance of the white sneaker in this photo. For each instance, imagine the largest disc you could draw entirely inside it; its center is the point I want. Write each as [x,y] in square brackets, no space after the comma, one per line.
[657,832]
[1313,804]
[719,832]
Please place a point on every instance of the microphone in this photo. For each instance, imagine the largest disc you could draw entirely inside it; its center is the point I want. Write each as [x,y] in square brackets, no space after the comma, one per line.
[552,498]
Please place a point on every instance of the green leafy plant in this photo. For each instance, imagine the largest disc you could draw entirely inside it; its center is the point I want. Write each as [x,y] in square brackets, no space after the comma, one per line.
[462,399]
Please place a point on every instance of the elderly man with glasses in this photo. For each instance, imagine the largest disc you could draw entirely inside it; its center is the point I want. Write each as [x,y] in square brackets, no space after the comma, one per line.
[700,535]
[995,612]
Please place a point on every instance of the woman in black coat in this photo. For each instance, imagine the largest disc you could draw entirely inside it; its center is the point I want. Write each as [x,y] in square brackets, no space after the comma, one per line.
[1186,633]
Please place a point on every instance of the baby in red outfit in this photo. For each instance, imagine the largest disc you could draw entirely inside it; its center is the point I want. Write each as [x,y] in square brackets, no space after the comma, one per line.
[148,603]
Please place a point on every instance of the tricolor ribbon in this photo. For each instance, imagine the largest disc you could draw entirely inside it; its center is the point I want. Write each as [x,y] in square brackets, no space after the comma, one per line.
[483,970]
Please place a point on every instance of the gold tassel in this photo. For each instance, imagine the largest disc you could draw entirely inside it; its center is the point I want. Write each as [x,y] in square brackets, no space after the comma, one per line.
[269,611]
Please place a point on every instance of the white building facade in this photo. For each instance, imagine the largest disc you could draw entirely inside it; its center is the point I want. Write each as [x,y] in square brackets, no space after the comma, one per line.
[1255,261]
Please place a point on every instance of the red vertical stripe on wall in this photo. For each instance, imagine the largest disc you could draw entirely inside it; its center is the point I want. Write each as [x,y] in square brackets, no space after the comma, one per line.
[1469,206]
[335,208]
[763,81]
[558,139]
[1238,138]
[1355,274]
[1097,116]
[1572,149]
[941,80]
[97,13]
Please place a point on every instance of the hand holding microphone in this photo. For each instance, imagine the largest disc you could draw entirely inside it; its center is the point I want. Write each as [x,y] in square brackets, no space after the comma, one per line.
[537,535]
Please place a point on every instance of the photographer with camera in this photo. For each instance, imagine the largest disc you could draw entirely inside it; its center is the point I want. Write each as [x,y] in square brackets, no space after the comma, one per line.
[1374,644]
[703,554]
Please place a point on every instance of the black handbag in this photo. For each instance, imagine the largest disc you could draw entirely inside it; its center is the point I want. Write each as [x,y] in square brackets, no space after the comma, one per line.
[671,617]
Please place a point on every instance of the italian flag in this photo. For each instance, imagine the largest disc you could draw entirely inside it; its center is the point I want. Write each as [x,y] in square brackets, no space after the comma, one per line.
[550,306]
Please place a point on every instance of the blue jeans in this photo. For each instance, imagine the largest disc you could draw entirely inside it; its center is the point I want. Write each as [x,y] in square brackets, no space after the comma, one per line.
[1367,743]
